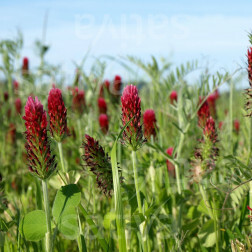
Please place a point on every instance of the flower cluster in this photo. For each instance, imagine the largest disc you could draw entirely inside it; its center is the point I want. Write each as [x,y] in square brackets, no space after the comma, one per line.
[211,100]
[249,90]
[149,121]
[203,113]
[206,154]
[25,67]
[99,163]
[18,106]
[131,116]
[104,123]
[102,105]
[58,114]
[41,162]
[173,97]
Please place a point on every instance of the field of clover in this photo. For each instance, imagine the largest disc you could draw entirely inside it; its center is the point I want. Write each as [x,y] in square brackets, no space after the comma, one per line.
[162,163]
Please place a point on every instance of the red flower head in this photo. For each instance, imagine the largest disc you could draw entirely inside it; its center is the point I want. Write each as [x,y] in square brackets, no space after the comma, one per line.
[104,123]
[250,66]
[102,106]
[78,102]
[237,126]
[211,100]
[131,108]
[249,90]
[117,84]
[170,166]
[18,105]
[99,164]
[25,67]
[16,86]
[6,96]
[58,114]
[149,121]
[203,113]
[209,131]
[173,97]
[40,161]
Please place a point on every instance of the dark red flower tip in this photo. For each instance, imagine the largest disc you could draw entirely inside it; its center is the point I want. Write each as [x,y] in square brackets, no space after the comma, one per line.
[237,126]
[249,208]
[210,131]
[15,85]
[203,113]
[6,96]
[173,96]
[40,161]
[104,123]
[99,163]
[170,166]
[211,100]
[107,84]
[78,102]
[102,105]
[58,114]
[25,66]
[250,66]
[131,108]
[117,85]
[149,121]
[18,106]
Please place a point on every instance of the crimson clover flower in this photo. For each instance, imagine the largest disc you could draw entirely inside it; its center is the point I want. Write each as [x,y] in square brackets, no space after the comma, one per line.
[25,66]
[99,163]
[203,113]
[18,106]
[206,154]
[149,121]
[104,123]
[249,90]
[131,115]
[58,114]
[173,97]
[102,105]
[41,162]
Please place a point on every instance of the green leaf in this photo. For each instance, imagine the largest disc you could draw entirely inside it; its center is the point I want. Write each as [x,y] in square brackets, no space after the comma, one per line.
[207,234]
[108,219]
[64,212]
[68,224]
[34,225]
[67,197]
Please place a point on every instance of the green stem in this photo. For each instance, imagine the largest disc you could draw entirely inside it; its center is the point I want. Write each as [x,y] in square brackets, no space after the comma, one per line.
[136,182]
[61,157]
[231,116]
[48,218]
[94,229]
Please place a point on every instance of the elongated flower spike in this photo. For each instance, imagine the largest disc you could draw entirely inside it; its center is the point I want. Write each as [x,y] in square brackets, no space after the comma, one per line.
[131,112]
[206,154]
[173,97]
[18,106]
[78,102]
[249,90]
[102,105]
[236,126]
[117,85]
[41,162]
[25,67]
[211,100]
[203,113]
[104,123]
[150,124]
[58,114]
[99,163]
[106,86]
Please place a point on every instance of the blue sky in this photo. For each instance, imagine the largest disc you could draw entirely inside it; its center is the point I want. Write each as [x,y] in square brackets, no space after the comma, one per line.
[211,31]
